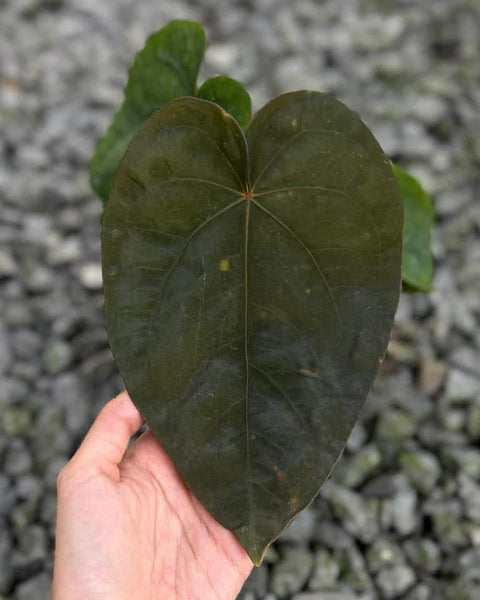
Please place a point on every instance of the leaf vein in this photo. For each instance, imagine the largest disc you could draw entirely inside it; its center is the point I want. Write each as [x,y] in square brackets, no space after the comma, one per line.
[286,144]
[185,246]
[334,191]
[200,180]
[307,251]
[212,141]
[283,393]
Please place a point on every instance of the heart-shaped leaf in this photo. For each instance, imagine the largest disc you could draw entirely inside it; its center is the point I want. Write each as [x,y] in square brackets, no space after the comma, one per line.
[417,268]
[230,95]
[250,287]
[166,68]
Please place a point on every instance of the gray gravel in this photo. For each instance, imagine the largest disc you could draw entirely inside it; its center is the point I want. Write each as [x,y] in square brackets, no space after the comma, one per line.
[401,516]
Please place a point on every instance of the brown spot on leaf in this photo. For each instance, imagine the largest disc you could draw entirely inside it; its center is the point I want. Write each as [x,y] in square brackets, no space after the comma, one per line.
[309,373]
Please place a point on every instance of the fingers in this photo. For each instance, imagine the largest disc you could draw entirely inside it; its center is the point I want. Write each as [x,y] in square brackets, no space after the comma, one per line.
[107,440]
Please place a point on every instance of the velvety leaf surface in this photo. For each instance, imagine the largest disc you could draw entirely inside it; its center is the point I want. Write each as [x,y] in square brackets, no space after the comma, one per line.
[417,268]
[230,95]
[165,69]
[250,294]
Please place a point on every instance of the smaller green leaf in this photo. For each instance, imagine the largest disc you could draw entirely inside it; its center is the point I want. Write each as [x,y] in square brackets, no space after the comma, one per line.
[230,95]
[166,68]
[417,269]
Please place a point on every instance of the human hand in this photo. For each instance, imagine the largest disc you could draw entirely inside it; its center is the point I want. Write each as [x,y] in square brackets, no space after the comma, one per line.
[129,528]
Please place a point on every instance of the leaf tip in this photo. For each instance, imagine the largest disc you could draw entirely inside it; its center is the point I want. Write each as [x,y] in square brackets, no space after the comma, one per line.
[255,551]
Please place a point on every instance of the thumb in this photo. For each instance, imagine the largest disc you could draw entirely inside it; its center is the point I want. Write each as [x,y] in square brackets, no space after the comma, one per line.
[108,438]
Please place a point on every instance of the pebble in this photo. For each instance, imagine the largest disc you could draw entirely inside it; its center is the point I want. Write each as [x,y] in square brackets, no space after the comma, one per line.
[448,527]
[404,512]
[68,251]
[31,552]
[419,592]
[22,515]
[48,508]
[6,357]
[8,496]
[354,569]
[353,511]
[16,420]
[331,535]
[403,352]
[359,467]
[358,437]
[17,315]
[466,358]
[29,487]
[87,343]
[326,571]
[17,459]
[429,109]
[395,425]
[421,467]
[68,392]
[469,492]
[26,371]
[424,554]
[39,280]
[57,356]
[461,385]
[435,437]
[465,459]
[90,276]
[6,570]
[463,588]
[26,344]
[8,265]
[383,553]
[37,587]
[290,574]
[431,375]
[395,581]
[385,485]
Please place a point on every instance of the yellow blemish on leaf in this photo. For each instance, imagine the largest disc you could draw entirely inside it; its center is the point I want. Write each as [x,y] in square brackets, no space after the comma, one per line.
[293,503]
[294,123]
[307,291]
[224,265]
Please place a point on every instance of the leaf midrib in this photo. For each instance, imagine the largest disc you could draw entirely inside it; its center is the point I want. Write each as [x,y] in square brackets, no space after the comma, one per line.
[247,375]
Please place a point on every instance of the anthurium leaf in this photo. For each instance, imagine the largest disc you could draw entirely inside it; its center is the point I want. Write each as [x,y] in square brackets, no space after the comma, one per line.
[230,95]
[250,287]
[417,268]
[165,69]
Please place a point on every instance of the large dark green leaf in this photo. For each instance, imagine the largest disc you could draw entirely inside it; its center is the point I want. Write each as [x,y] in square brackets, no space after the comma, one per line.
[417,269]
[165,69]
[230,95]
[250,294]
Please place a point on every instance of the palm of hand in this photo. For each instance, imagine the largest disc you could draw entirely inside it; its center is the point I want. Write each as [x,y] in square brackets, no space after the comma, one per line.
[137,530]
